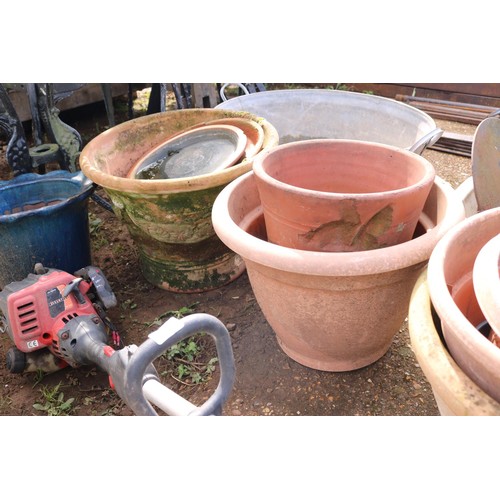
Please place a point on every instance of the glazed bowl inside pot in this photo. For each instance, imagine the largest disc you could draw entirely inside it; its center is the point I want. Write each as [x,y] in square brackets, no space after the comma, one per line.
[330,311]
[450,281]
[341,195]
[253,131]
[202,150]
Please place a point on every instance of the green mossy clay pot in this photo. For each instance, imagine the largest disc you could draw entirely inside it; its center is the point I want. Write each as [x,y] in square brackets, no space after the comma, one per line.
[169,219]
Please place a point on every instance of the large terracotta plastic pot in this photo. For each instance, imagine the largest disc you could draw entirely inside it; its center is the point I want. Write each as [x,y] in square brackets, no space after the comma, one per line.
[330,311]
[301,114]
[451,287]
[341,195]
[169,219]
[454,391]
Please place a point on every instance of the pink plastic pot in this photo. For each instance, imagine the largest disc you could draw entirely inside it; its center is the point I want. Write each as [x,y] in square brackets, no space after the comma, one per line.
[451,287]
[341,195]
[486,281]
[332,312]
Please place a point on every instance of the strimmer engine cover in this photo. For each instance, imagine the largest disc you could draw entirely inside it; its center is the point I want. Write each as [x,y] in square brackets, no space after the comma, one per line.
[36,309]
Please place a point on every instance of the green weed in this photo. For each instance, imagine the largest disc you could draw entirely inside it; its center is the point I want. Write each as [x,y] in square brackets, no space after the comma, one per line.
[39,376]
[128,304]
[53,401]
[118,249]
[189,361]
[179,313]
[97,236]
[5,403]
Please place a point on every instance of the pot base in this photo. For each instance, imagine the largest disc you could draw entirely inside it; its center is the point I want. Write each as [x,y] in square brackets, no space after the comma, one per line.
[191,277]
[332,365]
[337,323]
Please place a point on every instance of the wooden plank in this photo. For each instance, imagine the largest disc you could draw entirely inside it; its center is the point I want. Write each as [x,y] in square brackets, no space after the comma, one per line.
[457,105]
[459,144]
[490,97]
[449,110]
[205,95]
[482,89]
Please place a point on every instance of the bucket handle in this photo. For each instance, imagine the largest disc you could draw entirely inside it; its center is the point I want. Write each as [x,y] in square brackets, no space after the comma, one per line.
[82,179]
[426,141]
[223,88]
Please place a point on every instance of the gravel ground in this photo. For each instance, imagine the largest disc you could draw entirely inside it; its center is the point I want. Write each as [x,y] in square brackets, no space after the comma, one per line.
[452,168]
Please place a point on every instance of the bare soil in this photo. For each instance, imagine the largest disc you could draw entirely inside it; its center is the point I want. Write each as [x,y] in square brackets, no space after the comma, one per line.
[267,382]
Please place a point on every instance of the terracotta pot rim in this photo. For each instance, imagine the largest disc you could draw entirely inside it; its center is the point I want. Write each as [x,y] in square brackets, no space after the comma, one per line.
[307,262]
[446,378]
[167,186]
[259,169]
[244,124]
[440,294]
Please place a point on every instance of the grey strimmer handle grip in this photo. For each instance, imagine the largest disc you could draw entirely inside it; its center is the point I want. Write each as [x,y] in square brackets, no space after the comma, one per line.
[173,331]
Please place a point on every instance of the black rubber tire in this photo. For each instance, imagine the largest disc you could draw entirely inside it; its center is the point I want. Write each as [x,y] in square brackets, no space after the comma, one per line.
[15,360]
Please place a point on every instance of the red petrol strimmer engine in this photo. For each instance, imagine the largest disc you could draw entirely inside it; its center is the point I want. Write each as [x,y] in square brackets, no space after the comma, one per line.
[46,309]
[56,319]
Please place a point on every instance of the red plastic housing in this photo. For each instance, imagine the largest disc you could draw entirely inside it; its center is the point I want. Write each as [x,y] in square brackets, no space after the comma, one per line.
[38,311]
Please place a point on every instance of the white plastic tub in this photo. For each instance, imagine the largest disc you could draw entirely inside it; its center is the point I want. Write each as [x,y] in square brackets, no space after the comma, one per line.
[302,114]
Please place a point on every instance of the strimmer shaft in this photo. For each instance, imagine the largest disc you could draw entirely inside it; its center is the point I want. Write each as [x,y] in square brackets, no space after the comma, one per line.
[131,369]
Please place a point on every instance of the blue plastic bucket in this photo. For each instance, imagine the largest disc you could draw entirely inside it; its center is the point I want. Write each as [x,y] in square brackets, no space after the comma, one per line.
[44,218]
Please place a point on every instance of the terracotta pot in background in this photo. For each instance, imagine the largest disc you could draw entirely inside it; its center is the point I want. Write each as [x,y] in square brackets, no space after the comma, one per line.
[169,219]
[341,195]
[454,391]
[452,293]
[330,311]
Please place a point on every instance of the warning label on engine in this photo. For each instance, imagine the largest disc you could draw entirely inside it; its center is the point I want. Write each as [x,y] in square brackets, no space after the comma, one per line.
[55,301]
